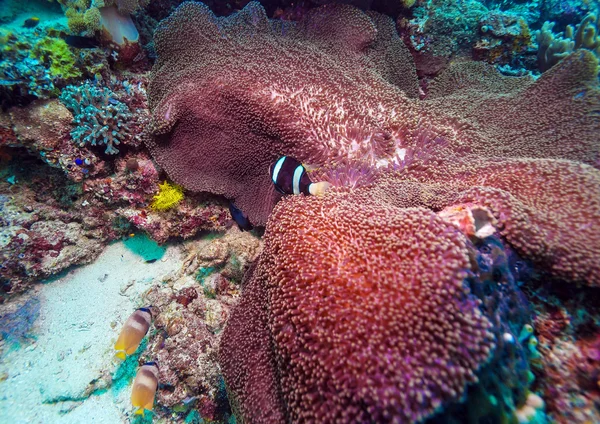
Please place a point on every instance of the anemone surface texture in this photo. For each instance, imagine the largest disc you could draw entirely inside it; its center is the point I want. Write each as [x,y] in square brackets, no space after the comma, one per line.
[308,211]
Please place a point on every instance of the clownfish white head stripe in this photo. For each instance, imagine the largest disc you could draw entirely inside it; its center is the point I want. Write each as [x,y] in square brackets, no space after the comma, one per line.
[277,169]
[290,177]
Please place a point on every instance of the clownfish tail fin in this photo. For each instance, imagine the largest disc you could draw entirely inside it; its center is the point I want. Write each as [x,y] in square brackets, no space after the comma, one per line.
[319,189]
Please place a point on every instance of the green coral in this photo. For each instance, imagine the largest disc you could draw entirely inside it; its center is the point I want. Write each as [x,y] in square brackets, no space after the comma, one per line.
[55,52]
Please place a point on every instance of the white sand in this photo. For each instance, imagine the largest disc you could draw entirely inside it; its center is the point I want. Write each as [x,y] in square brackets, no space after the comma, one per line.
[75,339]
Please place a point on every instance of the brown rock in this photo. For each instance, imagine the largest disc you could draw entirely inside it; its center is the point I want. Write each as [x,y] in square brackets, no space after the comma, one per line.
[41,125]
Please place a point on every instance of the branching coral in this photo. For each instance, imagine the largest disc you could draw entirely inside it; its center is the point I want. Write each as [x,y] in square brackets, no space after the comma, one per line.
[99,118]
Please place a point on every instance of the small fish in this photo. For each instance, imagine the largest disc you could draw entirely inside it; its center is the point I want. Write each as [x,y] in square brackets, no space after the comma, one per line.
[80,42]
[290,177]
[132,333]
[240,219]
[144,388]
[31,22]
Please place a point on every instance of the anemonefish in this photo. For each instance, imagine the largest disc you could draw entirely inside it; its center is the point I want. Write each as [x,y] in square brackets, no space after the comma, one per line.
[144,388]
[290,177]
[134,330]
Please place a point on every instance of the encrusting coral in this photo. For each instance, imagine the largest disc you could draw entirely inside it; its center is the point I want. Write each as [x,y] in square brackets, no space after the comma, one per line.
[55,52]
[521,149]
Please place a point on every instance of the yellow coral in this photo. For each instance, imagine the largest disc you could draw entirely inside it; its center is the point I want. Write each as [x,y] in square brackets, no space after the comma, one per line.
[169,195]
[55,52]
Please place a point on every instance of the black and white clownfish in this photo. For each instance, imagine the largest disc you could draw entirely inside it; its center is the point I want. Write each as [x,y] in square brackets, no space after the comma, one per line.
[290,177]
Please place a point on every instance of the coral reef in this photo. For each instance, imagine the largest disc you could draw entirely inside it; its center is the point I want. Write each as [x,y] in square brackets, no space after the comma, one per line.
[55,53]
[41,128]
[99,118]
[37,64]
[186,349]
[505,40]
[44,228]
[439,30]
[188,322]
[567,325]
[554,47]
[449,275]
[194,215]
[502,392]
[564,12]
[51,222]
[85,15]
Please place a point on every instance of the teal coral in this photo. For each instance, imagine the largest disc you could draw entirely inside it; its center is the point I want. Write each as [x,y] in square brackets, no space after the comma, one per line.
[100,119]
[554,47]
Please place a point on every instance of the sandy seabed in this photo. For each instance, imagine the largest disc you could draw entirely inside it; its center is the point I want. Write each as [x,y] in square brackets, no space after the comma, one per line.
[56,376]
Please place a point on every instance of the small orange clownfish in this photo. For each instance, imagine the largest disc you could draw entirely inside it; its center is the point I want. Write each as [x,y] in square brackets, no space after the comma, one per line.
[134,330]
[144,388]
